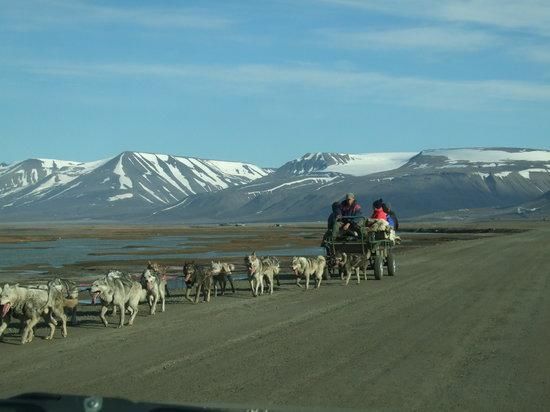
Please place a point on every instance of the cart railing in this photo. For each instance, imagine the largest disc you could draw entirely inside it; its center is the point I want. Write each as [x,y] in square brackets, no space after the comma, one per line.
[361,244]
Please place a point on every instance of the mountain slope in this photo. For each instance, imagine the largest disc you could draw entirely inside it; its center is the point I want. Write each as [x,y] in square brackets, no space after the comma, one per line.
[431,181]
[162,188]
[32,171]
[126,185]
[349,164]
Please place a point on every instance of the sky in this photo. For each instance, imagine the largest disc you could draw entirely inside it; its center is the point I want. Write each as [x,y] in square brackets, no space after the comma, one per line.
[265,81]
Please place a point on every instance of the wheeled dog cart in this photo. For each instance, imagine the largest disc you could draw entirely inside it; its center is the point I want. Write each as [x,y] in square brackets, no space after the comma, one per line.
[378,243]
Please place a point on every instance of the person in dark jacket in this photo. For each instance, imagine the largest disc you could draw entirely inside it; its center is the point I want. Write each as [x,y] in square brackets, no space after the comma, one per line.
[333,224]
[391,217]
[350,207]
[336,214]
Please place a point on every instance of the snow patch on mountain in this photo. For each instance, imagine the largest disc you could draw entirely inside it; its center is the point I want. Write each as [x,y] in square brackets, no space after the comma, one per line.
[87,167]
[343,163]
[369,163]
[503,174]
[125,181]
[480,155]
[205,174]
[180,178]
[179,204]
[452,166]
[151,193]
[73,186]
[51,164]
[482,175]
[237,169]
[52,181]
[527,172]
[120,197]
[47,173]
[297,183]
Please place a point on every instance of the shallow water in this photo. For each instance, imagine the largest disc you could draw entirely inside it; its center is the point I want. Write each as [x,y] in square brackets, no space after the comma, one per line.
[66,251]
[61,252]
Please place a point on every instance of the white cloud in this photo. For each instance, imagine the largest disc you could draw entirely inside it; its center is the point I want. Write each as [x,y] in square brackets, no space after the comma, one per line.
[536,53]
[45,14]
[342,84]
[429,38]
[158,18]
[531,16]
[528,15]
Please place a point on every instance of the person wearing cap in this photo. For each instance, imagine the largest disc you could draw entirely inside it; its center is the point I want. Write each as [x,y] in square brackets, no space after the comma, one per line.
[350,207]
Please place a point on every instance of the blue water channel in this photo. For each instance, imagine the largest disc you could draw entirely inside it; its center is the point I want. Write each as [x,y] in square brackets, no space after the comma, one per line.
[63,252]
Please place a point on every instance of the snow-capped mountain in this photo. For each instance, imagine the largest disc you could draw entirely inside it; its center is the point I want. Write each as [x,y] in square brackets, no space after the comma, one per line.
[479,157]
[515,170]
[163,179]
[153,187]
[432,180]
[125,184]
[343,163]
[46,172]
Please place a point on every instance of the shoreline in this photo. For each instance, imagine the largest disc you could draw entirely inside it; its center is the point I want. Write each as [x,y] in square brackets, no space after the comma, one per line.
[232,252]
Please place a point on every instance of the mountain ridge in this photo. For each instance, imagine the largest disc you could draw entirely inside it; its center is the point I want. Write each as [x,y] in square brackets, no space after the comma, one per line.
[414,188]
[139,180]
[160,187]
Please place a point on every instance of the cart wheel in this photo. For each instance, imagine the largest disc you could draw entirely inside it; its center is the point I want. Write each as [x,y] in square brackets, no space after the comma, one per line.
[392,265]
[378,267]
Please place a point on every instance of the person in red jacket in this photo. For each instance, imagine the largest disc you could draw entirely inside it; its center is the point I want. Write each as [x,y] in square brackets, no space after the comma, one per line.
[378,211]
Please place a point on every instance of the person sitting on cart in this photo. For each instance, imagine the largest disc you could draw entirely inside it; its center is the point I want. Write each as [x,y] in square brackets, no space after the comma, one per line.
[390,215]
[378,211]
[350,207]
[332,224]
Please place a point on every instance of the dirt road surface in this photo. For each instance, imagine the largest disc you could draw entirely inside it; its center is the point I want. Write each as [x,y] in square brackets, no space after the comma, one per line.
[464,325]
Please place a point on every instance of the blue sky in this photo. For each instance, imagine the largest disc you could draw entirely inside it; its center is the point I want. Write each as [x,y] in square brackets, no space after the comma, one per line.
[267,81]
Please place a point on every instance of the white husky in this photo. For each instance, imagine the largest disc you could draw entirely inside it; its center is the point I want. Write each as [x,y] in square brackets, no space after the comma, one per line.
[117,289]
[28,305]
[305,267]
[155,285]
[69,290]
[260,269]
